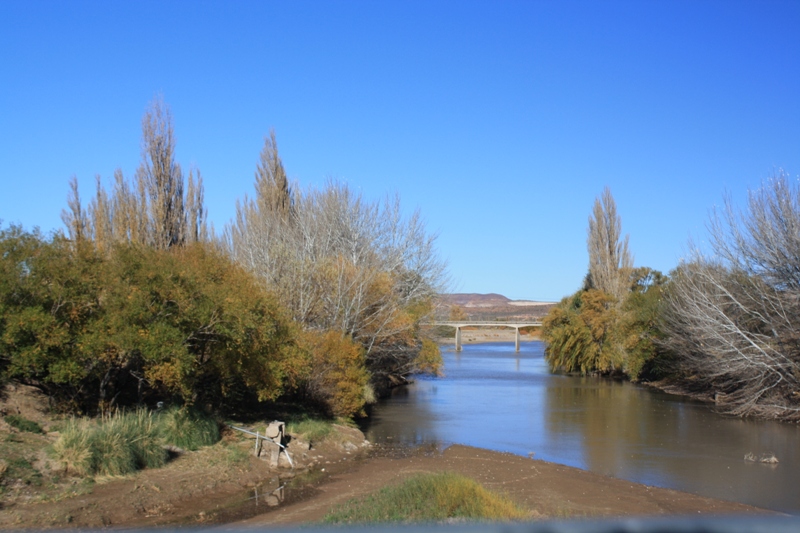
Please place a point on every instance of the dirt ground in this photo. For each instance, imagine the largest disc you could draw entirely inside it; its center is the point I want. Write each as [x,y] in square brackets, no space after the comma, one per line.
[210,485]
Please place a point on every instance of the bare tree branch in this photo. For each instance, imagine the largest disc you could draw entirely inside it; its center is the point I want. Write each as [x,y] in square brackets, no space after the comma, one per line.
[732,317]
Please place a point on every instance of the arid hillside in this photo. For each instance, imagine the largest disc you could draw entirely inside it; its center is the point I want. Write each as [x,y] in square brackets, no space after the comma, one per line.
[492,307]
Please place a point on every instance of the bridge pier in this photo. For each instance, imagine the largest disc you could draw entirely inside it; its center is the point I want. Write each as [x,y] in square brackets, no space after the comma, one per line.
[458,339]
[516,340]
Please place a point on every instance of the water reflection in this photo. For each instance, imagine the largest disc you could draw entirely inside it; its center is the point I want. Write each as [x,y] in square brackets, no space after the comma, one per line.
[272,497]
[494,398]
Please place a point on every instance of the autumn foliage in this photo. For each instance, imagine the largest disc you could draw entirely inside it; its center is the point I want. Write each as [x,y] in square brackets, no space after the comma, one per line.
[610,326]
[96,331]
[313,295]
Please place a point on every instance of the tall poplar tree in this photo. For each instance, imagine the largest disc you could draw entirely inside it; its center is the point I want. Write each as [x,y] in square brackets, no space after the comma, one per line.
[158,208]
[610,262]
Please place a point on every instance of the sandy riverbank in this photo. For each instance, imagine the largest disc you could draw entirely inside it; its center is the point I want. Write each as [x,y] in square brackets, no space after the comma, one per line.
[548,490]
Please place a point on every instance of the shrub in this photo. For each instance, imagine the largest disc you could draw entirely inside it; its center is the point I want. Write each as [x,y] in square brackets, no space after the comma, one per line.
[429,360]
[338,377]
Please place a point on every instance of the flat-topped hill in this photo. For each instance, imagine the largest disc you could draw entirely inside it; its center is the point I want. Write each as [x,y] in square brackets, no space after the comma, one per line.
[494,306]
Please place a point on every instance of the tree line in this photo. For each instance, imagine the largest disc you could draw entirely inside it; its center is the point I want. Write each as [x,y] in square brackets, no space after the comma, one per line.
[723,324]
[311,295]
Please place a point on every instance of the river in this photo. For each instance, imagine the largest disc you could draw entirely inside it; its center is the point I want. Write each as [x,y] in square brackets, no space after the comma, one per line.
[494,398]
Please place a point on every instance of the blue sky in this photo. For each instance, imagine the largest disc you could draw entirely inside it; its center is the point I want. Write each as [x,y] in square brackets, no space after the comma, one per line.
[500,121]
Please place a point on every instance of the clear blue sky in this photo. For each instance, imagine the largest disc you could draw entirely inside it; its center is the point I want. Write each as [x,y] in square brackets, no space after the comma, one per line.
[500,121]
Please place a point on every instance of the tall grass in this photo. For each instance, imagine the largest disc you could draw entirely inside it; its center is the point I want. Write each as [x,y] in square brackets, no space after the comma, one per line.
[130,441]
[188,428]
[428,498]
[74,448]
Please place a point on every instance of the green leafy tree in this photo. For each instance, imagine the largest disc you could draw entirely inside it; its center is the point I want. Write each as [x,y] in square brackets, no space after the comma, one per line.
[611,325]
[49,298]
[97,331]
[640,325]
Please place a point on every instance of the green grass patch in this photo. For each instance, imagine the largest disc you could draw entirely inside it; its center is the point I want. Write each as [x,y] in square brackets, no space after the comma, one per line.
[188,428]
[21,469]
[310,429]
[229,455]
[428,498]
[23,424]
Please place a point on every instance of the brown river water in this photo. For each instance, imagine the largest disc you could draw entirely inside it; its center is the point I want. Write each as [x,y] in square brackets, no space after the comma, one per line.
[494,398]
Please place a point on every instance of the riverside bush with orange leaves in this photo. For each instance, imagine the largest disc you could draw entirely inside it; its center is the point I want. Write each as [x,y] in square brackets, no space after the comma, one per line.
[137,324]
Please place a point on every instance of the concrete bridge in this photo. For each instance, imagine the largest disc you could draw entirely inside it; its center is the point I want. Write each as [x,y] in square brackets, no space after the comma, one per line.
[479,324]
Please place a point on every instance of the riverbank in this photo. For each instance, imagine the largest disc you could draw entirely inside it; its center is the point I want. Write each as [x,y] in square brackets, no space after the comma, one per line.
[214,484]
[209,485]
[547,490]
[224,484]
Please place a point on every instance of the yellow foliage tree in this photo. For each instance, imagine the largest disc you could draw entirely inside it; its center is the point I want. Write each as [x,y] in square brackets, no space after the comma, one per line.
[337,377]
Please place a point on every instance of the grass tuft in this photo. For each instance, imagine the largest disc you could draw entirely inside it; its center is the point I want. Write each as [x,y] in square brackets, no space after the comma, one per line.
[74,448]
[428,498]
[229,455]
[111,449]
[130,441]
[146,440]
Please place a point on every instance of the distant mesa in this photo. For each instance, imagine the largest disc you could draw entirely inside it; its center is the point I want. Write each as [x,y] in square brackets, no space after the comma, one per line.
[475,300]
[468,300]
[493,306]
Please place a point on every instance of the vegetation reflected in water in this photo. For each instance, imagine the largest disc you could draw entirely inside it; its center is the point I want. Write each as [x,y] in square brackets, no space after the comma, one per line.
[493,398]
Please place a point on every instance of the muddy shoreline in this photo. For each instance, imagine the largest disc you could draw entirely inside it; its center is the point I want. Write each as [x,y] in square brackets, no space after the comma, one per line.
[548,490]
